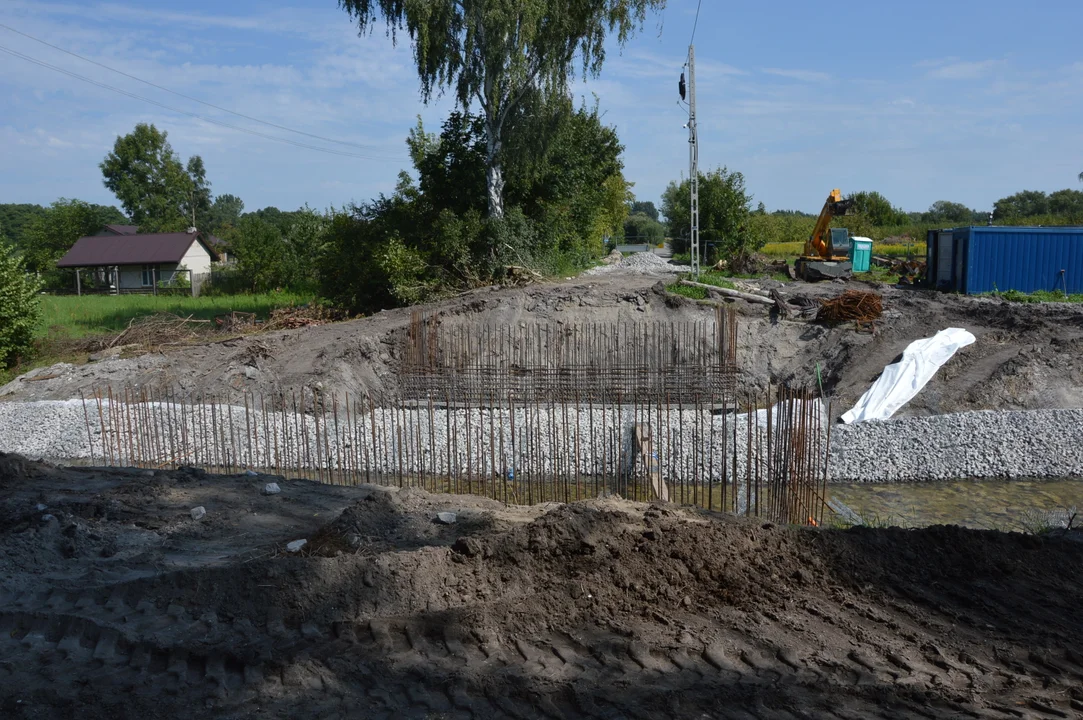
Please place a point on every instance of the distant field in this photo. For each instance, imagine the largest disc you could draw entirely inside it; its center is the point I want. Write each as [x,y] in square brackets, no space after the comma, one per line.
[75,317]
[793,249]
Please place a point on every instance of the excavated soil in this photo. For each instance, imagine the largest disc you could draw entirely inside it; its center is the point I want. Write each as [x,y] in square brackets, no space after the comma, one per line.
[1026,356]
[117,604]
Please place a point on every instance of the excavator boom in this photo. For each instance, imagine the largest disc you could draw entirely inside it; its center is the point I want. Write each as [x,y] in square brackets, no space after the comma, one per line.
[817,245]
[818,261]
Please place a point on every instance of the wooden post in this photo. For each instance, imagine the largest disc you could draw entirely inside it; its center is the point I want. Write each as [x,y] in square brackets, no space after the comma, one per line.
[78,283]
[650,462]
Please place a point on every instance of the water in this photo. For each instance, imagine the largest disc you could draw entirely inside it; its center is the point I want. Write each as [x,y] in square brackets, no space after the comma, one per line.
[1020,505]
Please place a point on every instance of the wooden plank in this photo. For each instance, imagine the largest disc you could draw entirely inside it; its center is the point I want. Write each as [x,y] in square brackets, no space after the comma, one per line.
[748,297]
[650,462]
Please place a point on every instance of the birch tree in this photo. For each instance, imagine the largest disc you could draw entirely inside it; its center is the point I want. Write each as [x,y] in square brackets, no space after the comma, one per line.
[493,52]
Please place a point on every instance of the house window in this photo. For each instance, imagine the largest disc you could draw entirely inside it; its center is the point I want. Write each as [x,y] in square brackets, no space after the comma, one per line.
[148,275]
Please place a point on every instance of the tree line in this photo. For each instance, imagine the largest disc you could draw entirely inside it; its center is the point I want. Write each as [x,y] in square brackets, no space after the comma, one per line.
[519,176]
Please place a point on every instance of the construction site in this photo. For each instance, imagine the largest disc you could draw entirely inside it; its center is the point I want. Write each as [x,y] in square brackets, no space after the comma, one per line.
[589,498]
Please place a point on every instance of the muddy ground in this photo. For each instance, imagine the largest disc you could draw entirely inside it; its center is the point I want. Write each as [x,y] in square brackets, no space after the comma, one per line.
[120,605]
[1025,357]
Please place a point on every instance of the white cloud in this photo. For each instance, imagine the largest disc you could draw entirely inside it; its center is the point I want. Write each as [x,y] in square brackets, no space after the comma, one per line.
[809,76]
[963,70]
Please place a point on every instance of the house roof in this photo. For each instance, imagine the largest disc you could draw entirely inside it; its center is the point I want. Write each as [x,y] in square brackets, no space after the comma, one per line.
[123,229]
[152,249]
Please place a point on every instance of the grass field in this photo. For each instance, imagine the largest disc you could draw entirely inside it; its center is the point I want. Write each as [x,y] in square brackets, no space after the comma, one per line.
[1038,296]
[76,317]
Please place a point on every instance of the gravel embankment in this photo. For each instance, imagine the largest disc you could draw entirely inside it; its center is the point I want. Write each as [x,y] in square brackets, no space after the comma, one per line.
[1039,443]
[986,444]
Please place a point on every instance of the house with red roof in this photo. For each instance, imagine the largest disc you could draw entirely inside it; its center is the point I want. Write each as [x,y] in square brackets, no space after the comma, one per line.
[120,260]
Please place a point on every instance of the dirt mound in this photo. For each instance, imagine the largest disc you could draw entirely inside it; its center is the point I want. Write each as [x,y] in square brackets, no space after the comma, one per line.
[1022,359]
[599,609]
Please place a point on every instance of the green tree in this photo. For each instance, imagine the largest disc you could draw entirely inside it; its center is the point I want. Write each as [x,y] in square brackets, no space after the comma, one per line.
[949,212]
[563,169]
[281,219]
[494,53]
[263,258]
[349,275]
[52,234]
[1021,205]
[641,228]
[1067,204]
[19,310]
[723,214]
[197,202]
[15,219]
[451,166]
[155,189]
[224,213]
[645,207]
[877,209]
[304,239]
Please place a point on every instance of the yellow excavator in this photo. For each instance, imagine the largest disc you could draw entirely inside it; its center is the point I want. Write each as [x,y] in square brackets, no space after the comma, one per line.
[827,251]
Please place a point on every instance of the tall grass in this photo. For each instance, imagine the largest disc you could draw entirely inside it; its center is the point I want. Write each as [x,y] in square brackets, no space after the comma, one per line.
[793,249]
[697,293]
[76,317]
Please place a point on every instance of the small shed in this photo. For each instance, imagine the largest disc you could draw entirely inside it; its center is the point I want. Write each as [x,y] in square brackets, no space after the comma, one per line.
[993,258]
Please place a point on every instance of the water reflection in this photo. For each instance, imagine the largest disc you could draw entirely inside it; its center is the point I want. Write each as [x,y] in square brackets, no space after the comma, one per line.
[1029,505]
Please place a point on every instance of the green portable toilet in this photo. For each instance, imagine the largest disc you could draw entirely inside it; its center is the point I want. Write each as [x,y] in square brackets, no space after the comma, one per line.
[861,254]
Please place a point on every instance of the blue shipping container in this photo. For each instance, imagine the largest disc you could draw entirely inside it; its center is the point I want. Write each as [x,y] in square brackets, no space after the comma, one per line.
[975,260]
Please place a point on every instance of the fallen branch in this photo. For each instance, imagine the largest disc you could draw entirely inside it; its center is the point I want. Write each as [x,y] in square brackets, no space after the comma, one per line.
[749,297]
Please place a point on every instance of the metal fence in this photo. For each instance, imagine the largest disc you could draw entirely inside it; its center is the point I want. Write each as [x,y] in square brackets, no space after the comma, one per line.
[477,416]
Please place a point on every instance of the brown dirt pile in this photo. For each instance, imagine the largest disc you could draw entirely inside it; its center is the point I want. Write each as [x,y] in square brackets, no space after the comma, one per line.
[601,609]
[1023,357]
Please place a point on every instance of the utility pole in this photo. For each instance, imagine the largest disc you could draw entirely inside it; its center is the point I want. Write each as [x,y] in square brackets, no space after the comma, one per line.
[693,161]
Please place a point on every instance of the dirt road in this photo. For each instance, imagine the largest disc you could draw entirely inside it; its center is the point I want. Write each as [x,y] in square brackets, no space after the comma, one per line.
[123,606]
[1026,356]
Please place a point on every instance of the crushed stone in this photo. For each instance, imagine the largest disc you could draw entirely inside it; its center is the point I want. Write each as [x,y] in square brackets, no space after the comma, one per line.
[643,263]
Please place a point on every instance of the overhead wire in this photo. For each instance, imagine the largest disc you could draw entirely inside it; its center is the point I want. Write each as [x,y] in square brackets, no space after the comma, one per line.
[695,22]
[204,118]
[187,97]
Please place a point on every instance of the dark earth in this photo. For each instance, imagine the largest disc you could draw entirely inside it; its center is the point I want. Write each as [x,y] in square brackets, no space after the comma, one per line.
[116,604]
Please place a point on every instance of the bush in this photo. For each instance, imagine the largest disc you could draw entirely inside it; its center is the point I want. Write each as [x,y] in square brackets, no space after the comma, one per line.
[180,279]
[19,309]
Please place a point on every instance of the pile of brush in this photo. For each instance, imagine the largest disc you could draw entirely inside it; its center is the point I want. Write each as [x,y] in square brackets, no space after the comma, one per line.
[861,307]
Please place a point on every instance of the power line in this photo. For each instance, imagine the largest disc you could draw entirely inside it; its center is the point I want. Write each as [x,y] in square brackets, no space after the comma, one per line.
[696,22]
[187,97]
[204,118]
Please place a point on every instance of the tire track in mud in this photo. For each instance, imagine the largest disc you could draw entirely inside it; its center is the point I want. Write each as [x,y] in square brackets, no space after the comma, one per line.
[578,613]
[422,665]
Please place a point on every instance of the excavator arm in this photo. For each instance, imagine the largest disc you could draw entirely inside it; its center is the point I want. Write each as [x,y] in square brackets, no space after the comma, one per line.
[817,245]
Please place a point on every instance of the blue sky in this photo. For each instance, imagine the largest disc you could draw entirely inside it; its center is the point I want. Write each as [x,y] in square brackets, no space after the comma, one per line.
[923,101]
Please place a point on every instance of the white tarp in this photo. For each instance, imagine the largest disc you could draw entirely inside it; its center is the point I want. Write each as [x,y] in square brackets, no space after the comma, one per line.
[776,413]
[900,382]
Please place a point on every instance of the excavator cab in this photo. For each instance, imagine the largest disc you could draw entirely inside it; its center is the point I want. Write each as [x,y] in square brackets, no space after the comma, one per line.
[840,242]
[827,251]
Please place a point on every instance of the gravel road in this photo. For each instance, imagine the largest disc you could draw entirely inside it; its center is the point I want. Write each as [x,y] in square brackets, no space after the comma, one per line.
[639,263]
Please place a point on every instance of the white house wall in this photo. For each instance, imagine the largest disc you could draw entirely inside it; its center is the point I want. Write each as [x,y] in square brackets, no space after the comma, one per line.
[197,259]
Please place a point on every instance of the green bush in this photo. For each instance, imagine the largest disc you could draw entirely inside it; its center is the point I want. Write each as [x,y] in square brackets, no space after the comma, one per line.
[179,280]
[19,309]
